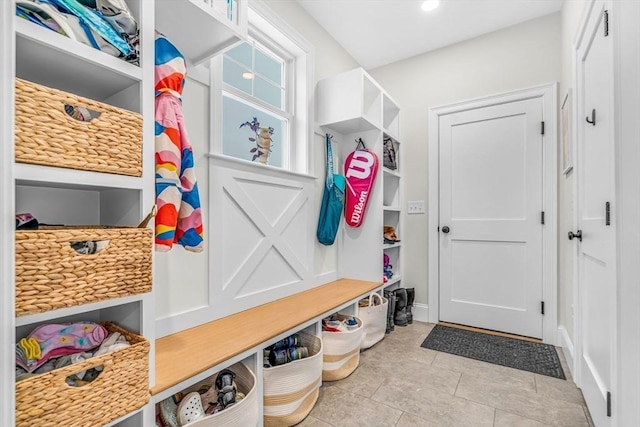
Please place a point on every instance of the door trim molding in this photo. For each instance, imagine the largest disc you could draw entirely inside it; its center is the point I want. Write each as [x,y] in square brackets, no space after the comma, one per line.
[548,94]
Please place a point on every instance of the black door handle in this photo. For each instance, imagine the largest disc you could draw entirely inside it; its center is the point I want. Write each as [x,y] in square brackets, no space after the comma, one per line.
[576,235]
[445,229]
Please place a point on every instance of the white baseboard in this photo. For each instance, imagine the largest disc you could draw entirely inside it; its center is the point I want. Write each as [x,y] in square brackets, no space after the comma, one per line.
[420,312]
[567,348]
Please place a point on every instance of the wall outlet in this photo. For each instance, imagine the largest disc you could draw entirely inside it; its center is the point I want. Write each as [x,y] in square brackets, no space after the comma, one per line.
[416,207]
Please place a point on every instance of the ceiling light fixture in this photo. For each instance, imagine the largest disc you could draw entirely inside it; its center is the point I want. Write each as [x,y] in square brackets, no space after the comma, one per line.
[429,5]
[248,76]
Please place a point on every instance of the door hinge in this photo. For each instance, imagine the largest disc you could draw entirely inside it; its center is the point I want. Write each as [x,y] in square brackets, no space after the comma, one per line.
[438,229]
[607,213]
[542,217]
[608,404]
[606,23]
[541,128]
[542,307]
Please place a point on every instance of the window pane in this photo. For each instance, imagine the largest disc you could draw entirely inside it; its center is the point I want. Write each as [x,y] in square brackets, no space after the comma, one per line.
[267,92]
[232,74]
[236,140]
[269,67]
[241,53]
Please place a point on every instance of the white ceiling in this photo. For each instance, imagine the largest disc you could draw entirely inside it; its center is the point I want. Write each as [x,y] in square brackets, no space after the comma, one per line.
[379,32]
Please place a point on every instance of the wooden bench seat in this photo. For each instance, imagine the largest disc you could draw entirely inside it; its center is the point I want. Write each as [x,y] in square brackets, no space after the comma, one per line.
[185,354]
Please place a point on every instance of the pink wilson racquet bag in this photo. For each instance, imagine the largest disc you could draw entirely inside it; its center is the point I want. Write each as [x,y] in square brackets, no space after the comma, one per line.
[361,168]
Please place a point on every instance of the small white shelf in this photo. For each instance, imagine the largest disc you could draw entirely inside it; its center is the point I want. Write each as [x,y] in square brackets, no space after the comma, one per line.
[78,309]
[46,176]
[198,30]
[390,173]
[46,57]
[391,208]
[394,279]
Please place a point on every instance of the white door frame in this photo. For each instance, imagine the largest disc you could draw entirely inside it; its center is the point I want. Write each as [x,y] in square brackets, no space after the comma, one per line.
[548,94]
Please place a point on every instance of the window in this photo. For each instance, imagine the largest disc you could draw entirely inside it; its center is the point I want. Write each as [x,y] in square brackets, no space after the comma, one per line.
[255,117]
[262,97]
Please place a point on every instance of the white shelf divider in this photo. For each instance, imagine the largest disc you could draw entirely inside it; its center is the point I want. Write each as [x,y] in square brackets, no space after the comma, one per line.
[78,309]
[47,176]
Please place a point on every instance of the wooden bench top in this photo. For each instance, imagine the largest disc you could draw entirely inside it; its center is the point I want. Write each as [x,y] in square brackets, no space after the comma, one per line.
[187,353]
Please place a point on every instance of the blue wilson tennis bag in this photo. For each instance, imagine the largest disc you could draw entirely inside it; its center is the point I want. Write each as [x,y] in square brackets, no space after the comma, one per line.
[332,202]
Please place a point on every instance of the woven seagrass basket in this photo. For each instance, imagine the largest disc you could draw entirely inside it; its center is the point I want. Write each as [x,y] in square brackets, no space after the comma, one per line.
[47,135]
[123,386]
[50,274]
[291,390]
[341,352]
[241,414]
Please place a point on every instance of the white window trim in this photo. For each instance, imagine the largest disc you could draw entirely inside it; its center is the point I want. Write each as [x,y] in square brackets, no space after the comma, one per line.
[262,20]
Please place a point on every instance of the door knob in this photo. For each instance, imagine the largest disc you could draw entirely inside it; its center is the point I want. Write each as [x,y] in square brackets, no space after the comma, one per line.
[576,235]
[445,229]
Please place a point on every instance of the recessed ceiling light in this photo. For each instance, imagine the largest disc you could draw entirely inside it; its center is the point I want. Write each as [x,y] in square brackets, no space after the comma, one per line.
[247,76]
[429,5]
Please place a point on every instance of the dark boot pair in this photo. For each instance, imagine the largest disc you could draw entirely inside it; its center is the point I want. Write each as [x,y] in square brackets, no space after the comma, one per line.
[404,306]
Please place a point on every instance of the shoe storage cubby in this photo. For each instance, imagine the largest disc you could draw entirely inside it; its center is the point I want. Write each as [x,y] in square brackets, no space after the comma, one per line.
[352,105]
[395,260]
[341,350]
[290,390]
[190,405]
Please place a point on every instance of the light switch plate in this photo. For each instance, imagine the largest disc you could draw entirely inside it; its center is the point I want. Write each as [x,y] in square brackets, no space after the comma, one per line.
[416,207]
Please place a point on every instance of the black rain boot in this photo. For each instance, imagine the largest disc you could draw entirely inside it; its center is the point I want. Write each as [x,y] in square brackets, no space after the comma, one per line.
[391,309]
[411,295]
[400,318]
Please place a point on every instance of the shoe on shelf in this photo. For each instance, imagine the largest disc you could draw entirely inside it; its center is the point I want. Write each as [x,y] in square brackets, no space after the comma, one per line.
[226,387]
[190,409]
[389,234]
[169,411]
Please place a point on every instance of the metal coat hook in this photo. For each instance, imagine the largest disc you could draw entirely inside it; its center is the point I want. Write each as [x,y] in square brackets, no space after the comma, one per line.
[593,117]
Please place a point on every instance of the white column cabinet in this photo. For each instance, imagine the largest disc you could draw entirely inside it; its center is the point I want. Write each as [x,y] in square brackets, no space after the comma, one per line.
[353,105]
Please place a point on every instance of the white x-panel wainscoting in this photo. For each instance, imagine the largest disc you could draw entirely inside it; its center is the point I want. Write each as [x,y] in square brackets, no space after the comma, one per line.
[265,218]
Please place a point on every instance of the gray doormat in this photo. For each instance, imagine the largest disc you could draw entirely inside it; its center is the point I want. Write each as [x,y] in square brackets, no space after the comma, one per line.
[524,355]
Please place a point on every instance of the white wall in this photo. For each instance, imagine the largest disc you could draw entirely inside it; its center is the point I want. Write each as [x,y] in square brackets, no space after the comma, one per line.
[521,56]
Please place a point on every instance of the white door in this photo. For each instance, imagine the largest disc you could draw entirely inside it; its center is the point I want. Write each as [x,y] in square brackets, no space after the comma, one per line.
[596,250]
[490,217]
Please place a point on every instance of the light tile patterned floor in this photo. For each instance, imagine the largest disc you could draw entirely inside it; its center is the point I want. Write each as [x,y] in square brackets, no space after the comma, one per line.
[400,384]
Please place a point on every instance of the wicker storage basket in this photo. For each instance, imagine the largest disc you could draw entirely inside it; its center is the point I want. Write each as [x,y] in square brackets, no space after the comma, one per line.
[123,386]
[50,274]
[242,414]
[47,135]
[341,352]
[291,390]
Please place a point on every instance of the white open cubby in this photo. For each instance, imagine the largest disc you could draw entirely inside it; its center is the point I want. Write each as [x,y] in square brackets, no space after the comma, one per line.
[396,261]
[125,315]
[65,206]
[390,117]
[391,197]
[396,146]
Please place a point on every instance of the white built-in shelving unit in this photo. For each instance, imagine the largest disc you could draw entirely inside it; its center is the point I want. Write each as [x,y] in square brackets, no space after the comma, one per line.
[353,105]
[65,196]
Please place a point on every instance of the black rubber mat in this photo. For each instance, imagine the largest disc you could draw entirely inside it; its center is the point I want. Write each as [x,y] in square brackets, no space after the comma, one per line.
[514,353]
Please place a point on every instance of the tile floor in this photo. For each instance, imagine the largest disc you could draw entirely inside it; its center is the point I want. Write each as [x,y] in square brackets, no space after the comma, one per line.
[400,384]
